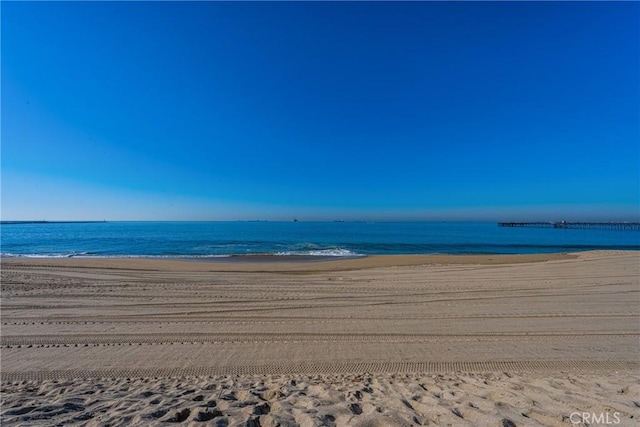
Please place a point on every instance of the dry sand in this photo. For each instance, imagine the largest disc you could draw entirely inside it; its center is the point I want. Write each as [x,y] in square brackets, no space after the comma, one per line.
[400,340]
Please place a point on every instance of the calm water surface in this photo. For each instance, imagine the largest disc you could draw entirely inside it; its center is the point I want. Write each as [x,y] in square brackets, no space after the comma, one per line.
[216,239]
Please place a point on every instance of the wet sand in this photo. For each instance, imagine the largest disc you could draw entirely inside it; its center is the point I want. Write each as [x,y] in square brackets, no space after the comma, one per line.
[390,340]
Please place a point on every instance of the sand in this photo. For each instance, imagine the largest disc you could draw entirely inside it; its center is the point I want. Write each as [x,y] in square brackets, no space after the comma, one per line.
[396,340]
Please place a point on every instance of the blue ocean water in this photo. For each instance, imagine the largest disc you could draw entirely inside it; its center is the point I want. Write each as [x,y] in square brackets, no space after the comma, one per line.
[218,239]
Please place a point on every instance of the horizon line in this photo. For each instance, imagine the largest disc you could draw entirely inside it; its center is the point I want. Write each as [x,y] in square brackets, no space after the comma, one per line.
[294,220]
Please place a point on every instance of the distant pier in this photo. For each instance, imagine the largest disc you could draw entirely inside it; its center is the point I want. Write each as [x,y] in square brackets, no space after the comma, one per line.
[628,226]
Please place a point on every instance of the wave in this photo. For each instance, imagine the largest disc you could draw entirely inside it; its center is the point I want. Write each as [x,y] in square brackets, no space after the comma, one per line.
[91,256]
[335,252]
[346,250]
[45,255]
[309,253]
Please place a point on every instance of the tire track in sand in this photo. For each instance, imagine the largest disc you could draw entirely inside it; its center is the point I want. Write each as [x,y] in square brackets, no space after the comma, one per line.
[171,338]
[573,366]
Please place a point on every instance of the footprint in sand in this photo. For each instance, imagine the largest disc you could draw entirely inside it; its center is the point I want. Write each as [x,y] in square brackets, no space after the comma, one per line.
[180,416]
[208,415]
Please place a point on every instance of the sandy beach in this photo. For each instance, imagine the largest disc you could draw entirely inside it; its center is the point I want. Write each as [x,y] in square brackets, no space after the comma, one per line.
[384,340]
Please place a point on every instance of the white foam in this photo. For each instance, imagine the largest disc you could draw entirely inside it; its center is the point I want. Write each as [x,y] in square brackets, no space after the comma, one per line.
[337,252]
[86,255]
[69,255]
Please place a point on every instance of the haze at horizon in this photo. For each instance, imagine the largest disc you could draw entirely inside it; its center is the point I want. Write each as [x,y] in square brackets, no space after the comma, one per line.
[320,111]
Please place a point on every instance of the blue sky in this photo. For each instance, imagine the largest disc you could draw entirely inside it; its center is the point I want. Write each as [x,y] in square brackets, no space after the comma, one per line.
[419,110]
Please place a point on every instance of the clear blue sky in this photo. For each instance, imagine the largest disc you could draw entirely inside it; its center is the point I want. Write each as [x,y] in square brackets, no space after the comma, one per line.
[420,110]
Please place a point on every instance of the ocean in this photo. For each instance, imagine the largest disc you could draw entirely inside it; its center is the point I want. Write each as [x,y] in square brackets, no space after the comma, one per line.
[213,240]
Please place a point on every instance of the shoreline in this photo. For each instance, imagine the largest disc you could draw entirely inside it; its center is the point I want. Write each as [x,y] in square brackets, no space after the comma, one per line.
[284,263]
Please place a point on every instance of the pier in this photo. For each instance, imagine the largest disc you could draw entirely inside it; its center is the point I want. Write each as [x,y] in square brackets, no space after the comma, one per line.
[628,226]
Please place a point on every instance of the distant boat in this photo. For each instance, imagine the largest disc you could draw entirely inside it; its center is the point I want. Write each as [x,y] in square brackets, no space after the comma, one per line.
[295,219]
